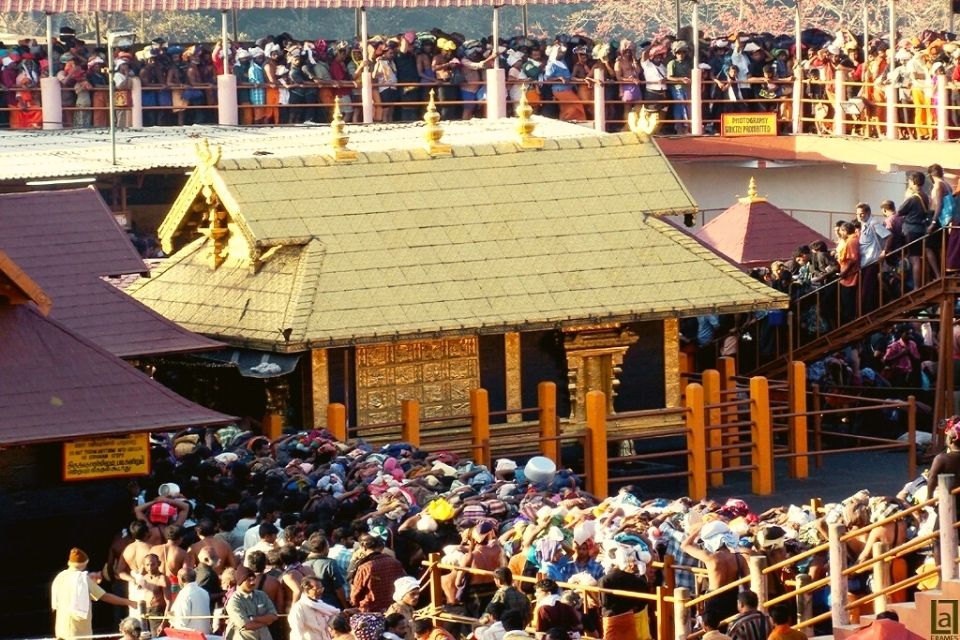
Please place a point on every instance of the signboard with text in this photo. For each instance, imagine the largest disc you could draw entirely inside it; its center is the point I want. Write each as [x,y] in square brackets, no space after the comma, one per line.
[748,124]
[107,457]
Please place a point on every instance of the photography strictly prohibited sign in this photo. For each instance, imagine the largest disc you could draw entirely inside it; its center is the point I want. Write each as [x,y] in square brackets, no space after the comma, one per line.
[107,457]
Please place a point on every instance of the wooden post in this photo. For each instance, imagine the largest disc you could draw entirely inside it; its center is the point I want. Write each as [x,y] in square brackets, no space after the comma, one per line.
[804,603]
[664,617]
[838,581]
[881,577]
[337,421]
[479,423]
[727,367]
[942,104]
[410,417]
[597,435]
[912,437]
[797,404]
[762,436]
[758,581]
[549,428]
[669,573]
[947,510]
[681,614]
[696,442]
[711,396]
[436,590]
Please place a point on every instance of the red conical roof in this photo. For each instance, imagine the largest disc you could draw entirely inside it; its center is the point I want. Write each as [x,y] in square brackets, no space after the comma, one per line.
[754,233]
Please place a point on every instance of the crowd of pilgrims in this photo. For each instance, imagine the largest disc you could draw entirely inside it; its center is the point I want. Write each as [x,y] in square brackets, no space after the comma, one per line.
[328,539]
[287,80]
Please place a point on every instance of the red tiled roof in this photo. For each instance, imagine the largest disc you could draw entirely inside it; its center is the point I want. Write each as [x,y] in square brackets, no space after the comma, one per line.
[66,241]
[756,233]
[89,6]
[54,385]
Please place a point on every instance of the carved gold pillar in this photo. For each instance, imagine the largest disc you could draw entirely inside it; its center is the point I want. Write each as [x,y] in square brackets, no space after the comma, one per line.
[594,355]
[671,362]
[319,386]
[511,347]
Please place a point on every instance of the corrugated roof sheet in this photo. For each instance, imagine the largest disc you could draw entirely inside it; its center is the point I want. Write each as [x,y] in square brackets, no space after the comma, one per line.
[56,386]
[67,241]
[492,238]
[89,6]
[756,233]
[72,153]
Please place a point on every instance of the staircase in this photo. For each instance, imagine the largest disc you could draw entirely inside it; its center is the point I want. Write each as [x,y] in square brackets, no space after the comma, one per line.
[808,349]
[917,615]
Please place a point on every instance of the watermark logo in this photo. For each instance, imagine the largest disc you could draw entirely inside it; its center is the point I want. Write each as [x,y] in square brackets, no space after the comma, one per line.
[944,619]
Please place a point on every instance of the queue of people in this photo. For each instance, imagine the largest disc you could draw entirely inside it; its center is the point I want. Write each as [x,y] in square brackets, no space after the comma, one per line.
[287,80]
[307,538]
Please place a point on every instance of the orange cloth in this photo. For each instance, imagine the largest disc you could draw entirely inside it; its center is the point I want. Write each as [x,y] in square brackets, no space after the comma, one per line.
[848,253]
[570,107]
[621,627]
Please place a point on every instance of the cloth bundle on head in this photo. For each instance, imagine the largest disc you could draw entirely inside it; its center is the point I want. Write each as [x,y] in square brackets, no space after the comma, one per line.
[367,626]
[716,534]
[951,427]
[403,586]
[440,510]
[546,549]
[626,555]
[769,538]
[445,44]
[161,513]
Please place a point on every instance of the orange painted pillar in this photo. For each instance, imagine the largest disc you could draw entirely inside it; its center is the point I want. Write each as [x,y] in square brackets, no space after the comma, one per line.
[549,428]
[597,478]
[711,396]
[727,367]
[797,424]
[337,421]
[762,436]
[696,442]
[410,419]
[480,425]
[273,426]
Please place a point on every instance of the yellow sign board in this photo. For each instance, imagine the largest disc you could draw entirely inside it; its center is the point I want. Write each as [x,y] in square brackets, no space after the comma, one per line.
[733,125]
[107,457]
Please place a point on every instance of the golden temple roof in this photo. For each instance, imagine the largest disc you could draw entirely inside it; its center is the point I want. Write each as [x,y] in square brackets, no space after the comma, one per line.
[399,243]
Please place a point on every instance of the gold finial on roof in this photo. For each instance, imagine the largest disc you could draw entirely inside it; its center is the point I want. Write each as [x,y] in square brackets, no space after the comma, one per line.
[433,132]
[338,137]
[752,193]
[525,125]
[207,156]
[643,121]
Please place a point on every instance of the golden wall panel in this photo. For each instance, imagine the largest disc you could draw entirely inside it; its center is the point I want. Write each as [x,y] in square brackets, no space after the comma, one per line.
[671,362]
[320,386]
[512,377]
[437,373]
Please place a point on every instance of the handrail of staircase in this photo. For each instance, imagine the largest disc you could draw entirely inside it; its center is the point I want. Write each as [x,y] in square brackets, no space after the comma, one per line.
[814,620]
[807,588]
[712,594]
[893,588]
[897,552]
[812,551]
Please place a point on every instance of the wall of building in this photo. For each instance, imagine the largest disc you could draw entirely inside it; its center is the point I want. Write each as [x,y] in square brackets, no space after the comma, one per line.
[818,195]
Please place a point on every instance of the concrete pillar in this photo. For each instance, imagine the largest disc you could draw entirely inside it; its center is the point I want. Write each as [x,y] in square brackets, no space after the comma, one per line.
[496,94]
[890,95]
[797,99]
[136,104]
[942,103]
[696,98]
[51,103]
[947,512]
[599,102]
[227,110]
[839,97]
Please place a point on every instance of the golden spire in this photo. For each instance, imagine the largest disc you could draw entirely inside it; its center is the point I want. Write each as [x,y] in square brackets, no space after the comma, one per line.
[752,193]
[525,125]
[338,137]
[433,132]
[643,121]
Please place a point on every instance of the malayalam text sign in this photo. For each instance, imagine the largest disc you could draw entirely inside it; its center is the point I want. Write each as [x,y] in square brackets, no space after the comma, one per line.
[748,124]
[107,457]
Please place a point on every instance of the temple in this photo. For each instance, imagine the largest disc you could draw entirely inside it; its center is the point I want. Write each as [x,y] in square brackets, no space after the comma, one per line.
[421,268]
